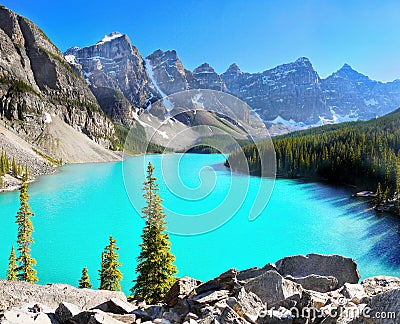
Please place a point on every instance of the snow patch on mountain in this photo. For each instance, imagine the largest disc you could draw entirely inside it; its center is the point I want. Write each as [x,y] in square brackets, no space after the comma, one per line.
[110,37]
[167,103]
[282,121]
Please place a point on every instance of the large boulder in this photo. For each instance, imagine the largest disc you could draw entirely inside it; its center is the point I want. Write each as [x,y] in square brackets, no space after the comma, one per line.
[248,274]
[247,305]
[180,289]
[65,311]
[383,308]
[229,316]
[116,306]
[209,297]
[354,293]
[225,281]
[378,284]
[95,316]
[15,293]
[272,288]
[342,268]
[316,282]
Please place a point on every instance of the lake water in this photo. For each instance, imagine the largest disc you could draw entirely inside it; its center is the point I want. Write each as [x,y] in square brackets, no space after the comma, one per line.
[79,207]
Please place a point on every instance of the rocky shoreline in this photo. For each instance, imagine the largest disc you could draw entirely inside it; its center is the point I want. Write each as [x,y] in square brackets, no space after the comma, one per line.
[309,288]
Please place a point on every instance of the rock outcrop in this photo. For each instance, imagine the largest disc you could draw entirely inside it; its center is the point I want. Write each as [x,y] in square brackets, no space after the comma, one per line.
[37,81]
[262,295]
[44,102]
[117,75]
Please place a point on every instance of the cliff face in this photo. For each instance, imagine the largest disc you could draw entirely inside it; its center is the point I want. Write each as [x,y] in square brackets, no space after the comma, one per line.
[38,86]
[291,91]
[117,75]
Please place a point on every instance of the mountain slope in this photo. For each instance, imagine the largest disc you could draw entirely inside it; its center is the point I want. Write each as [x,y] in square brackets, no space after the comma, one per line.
[43,101]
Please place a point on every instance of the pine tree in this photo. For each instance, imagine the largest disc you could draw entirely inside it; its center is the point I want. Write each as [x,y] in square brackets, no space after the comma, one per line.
[386,195]
[12,271]
[24,239]
[14,169]
[378,195]
[155,267]
[110,275]
[84,282]
[101,271]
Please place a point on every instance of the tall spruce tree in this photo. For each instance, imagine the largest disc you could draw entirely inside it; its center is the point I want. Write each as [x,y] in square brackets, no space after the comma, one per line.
[12,271]
[24,239]
[110,275]
[84,282]
[155,267]
[378,195]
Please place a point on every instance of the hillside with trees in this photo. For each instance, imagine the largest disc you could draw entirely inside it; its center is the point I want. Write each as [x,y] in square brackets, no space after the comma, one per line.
[362,153]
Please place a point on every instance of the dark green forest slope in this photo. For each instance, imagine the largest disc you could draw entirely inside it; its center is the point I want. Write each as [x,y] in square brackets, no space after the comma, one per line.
[360,153]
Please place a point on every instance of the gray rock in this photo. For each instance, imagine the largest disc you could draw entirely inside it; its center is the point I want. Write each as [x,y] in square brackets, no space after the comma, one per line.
[316,282]
[16,316]
[190,316]
[210,297]
[172,317]
[161,321]
[126,318]
[116,306]
[43,318]
[15,293]
[383,308]
[354,293]
[247,305]
[182,307]
[226,281]
[65,311]
[144,316]
[102,318]
[93,317]
[251,273]
[155,311]
[342,268]
[272,288]
[276,316]
[229,316]
[179,290]
[378,284]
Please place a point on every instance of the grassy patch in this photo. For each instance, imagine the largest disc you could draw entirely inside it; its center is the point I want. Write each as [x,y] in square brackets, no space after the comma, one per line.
[18,85]
[53,161]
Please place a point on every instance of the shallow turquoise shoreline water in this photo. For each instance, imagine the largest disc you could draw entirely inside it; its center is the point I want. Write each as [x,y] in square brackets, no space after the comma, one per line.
[79,207]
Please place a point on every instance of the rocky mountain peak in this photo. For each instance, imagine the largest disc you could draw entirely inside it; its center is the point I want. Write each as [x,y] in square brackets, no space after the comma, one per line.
[303,61]
[346,71]
[112,36]
[204,68]
[233,69]
[167,72]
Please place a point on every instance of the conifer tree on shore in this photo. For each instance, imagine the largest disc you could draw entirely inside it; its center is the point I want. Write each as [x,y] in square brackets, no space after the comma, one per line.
[24,239]
[155,269]
[84,282]
[110,275]
[12,271]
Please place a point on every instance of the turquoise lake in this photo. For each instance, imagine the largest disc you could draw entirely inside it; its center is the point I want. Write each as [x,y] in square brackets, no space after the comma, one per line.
[81,205]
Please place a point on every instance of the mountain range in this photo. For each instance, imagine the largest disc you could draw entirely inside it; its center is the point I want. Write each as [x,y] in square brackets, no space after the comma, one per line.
[291,94]
[75,106]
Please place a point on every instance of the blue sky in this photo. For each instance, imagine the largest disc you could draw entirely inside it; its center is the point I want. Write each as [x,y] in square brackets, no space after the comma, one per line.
[256,35]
